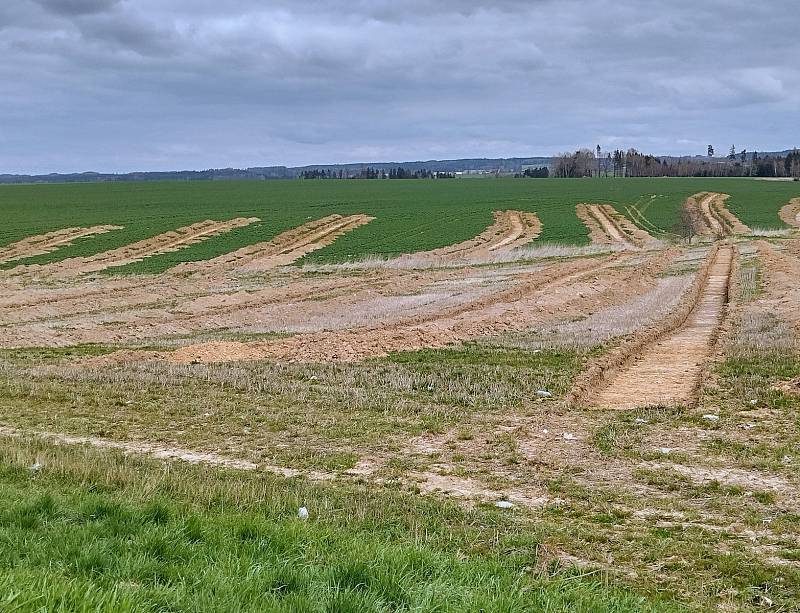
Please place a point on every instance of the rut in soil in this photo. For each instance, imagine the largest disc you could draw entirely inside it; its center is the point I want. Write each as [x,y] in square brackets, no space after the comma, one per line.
[669,371]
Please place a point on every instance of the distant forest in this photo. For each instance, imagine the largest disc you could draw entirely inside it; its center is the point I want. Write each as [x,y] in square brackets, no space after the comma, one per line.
[582,163]
[632,163]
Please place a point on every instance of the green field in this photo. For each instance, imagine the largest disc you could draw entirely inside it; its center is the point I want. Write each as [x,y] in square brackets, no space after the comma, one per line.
[410,215]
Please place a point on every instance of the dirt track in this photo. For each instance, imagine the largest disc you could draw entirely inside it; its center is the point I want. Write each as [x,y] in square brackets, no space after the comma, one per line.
[47,243]
[134,252]
[669,371]
[511,229]
[791,213]
[607,226]
[284,249]
[549,294]
[716,216]
[781,289]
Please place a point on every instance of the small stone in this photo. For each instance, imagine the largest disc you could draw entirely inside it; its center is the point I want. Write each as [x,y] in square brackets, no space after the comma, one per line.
[543,394]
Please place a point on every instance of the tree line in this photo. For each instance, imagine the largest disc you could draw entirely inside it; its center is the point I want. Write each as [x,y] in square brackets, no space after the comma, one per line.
[375,173]
[633,163]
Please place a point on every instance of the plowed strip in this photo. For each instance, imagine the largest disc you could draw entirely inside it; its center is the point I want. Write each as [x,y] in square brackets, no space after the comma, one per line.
[511,229]
[284,249]
[135,252]
[47,243]
[669,371]
[607,226]
[791,213]
[544,294]
[720,221]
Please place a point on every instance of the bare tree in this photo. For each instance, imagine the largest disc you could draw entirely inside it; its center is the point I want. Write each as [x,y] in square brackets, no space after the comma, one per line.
[690,222]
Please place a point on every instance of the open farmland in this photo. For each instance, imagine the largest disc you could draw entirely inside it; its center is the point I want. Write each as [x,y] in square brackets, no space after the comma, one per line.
[409,215]
[399,357]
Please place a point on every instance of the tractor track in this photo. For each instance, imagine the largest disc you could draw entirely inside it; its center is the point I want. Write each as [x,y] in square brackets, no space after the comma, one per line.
[665,365]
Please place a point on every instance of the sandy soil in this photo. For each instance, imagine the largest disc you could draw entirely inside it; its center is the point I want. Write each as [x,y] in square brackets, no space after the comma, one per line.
[781,271]
[134,252]
[607,226]
[791,213]
[719,220]
[669,371]
[511,229]
[47,243]
[284,249]
[550,294]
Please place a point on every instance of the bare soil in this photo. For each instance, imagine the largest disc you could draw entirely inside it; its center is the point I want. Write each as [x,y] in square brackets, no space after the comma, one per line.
[781,271]
[284,249]
[791,213]
[47,243]
[511,229]
[669,371]
[552,293]
[719,220]
[135,252]
[607,226]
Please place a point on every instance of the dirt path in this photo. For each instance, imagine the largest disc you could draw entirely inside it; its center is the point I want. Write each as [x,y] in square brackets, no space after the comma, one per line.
[553,293]
[135,252]
[510,230]
[781,271]
[716,216]
[47,243]
[791,213]
[282,250]
[669,370]
[607,226]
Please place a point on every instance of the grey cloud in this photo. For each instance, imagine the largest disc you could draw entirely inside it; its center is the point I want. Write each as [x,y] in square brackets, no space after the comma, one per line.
[77,7]
[199,83]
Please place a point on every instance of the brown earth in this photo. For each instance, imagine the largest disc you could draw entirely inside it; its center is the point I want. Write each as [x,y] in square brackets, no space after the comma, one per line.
[540,296]
[134,252]
[716,216]
[781,271]
[607,226]
[790,213]
[669,371]
[510,230]
[282,250]
[49,242]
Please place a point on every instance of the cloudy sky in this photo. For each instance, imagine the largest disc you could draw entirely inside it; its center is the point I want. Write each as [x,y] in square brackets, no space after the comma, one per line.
[118,85]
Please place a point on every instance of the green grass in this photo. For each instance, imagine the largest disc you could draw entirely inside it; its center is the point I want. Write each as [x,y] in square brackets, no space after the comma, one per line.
[410,215]
[99,532]
[251,409]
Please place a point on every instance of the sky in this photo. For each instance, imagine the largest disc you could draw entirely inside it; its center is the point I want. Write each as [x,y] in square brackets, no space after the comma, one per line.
[122,85]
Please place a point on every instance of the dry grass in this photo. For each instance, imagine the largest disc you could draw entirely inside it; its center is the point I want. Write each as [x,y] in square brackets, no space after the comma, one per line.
[523,254]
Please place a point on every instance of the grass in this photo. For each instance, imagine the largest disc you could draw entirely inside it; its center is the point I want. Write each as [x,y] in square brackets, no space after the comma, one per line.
[251,409]
[473,409]
[410,215]
[99,532]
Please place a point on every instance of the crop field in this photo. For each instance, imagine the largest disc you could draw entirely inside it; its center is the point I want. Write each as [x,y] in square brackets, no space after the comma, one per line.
[409,215]
[452,395]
